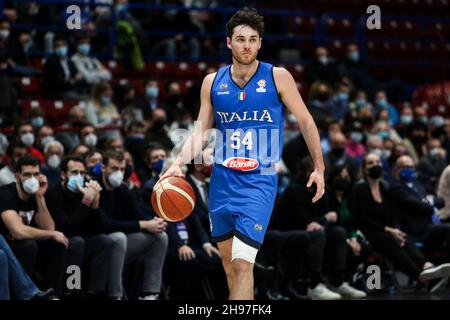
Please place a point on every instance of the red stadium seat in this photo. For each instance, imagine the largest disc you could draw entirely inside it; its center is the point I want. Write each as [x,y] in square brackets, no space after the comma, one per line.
[31,86]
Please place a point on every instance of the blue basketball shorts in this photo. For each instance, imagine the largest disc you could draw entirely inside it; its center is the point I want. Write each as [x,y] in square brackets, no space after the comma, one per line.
[241,204]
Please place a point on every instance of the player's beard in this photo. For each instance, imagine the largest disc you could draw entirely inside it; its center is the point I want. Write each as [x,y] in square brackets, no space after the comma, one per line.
[248,62]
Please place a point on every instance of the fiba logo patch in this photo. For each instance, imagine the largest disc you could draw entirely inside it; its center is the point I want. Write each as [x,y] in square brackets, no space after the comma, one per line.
[262,86]
[223,86]
[258,227]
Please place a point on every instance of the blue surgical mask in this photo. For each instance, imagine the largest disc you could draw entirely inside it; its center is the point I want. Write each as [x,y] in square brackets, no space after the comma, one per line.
[73,183]
[382,103]
[407,174]
[105,101]
[360,102]
[343,96]
[157,166]
[96,171]
[37,122]
[61,51]
[152,92]
[383,134]
[406,119]
[84,48]
[353,56]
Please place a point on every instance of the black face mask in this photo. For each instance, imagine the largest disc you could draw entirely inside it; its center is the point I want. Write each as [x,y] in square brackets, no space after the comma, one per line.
[343,184]
[418,139]
[438,132]
[338,152]
[376,171]
[322,96]
[77,124]
[158,125]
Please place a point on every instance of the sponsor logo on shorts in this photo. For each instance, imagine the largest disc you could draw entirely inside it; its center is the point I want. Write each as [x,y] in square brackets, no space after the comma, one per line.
[258,227]
[241,164]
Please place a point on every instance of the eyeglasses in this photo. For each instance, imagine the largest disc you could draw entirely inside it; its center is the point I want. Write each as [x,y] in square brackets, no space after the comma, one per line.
[77,172]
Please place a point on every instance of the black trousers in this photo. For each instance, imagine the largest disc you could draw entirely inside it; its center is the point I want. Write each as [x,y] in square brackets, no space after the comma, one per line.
[336,253]
[438,238]
[407,258]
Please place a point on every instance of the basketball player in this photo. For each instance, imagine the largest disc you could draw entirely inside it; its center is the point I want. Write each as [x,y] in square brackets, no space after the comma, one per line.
[246,101]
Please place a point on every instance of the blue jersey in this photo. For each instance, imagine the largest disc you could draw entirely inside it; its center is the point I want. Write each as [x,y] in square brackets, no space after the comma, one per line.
[250,119]
[243,183]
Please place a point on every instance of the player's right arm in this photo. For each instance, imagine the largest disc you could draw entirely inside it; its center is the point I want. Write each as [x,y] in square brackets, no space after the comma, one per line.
[195,142]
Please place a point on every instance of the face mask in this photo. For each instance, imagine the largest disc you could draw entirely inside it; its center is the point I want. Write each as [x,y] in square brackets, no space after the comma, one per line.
[322,96]
[37,122]
[157,166]
[27,139]
[386,154]
[96,171]
[84,48]
[115,179]
[46,140]
[54,161]
[424,120]
[291,118]
[105,101]
[356,136]
[152,92]
[382,103]
[207,170]
[383,134]
[61,51]
[360,102]
[343,96]
[90,140]
[27,46]
[137,137]
[407,174]
[74,181]
[435,152]
[323,60]
[342,184]
[406,119]
[353,56]
[375,172]
[4,34]
[31,185]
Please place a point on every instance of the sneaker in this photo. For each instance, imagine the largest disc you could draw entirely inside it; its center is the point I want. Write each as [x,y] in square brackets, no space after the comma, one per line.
[150,297]
[347,291]
[320,292]
[45,295]
[441,271]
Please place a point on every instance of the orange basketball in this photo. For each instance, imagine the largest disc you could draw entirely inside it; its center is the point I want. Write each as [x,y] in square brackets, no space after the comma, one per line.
[173,199]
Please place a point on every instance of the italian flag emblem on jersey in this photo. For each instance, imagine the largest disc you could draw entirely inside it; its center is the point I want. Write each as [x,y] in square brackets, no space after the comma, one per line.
[241,95]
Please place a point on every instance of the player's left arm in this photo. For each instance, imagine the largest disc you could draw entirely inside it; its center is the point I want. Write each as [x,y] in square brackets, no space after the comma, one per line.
[291,98]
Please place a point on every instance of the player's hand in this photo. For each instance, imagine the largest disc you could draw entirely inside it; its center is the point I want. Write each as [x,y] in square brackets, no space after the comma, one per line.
[185,253]
[43,185]
[317,178]
[173,171]
[313,226]
[212,250]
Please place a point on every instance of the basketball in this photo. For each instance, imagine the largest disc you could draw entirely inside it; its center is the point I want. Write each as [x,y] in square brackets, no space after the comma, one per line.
[173,199]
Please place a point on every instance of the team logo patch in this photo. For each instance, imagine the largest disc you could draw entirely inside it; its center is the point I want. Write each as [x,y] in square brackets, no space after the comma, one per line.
[258,227]
[241,164]
[262,86]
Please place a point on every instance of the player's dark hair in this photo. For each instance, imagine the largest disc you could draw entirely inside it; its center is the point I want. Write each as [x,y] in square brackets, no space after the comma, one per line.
[248,17]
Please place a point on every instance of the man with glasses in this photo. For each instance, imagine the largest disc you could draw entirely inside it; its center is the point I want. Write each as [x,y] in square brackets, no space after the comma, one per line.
[73,204]
[27,224]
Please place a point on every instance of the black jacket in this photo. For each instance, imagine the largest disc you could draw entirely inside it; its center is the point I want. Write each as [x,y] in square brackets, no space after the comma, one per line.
[55,83]
[414,210]
[197,235]
[200,209]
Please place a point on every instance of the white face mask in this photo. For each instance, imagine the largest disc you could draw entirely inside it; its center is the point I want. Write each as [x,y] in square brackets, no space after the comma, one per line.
[31,185]
[115,179]
[27,139]
[46,140]
[4,34]
[90,140]
[54,161]
[291,118]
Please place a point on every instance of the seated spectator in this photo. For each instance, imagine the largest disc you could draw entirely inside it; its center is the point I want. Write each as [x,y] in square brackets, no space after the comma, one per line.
[69,136]
[340,101]
[115,144]
[124,222]
[376,218]
[15,151]
[149,101]
[101,111]
[93,161]
[36,116]
[443,191]
[406,118]
[73,204]
[418,212]
[26,221]
[45,134]
[323,68]
[320,102]
[375,145]
[431,165]
[88,136]
[174,102]
[89,67]
[19,51]
[80,150]
[134,142]
[338,157]
[61,79]
[355,134]
[54,153]
[24,132]
[13,278]
[155,155]
[381,103]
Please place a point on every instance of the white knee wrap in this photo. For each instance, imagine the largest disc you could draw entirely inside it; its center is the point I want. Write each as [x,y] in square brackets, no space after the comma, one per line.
[243,251]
